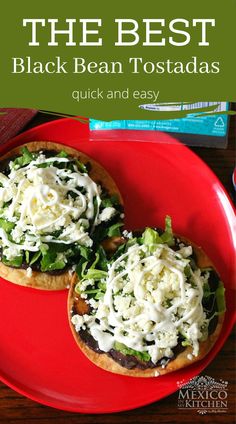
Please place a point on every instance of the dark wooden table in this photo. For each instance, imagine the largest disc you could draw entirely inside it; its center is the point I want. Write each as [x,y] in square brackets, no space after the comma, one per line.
[15,408]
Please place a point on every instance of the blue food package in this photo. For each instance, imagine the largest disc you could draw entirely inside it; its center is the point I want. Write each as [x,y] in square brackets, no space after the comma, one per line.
[194,130]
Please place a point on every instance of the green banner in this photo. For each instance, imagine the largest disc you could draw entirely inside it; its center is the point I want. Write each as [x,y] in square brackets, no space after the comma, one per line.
[109,60]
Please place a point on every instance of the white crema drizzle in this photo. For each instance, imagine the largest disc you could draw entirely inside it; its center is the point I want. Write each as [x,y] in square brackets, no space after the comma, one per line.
[147,303]
[40,205]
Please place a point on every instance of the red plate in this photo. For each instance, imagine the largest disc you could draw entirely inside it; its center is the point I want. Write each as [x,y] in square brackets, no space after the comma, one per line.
[39,357]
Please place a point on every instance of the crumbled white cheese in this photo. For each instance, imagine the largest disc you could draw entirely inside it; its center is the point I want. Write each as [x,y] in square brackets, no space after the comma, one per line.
[17,234]
[5,195]
[61,257]
[185,251]
[77,321]
[29,272]
[84,284]
[93,303]
[148,302]
[107,214]
[127,234]
[10,253]
[72,270]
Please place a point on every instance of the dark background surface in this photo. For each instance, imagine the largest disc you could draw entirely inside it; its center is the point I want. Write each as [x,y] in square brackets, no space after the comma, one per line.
[15,408]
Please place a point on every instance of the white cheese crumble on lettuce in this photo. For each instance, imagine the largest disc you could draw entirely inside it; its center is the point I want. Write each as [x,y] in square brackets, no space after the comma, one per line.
[148,302]
[29,272]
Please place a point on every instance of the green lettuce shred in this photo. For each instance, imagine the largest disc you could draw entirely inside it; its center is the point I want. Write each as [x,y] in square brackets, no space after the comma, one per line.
[49,260]
[6,225]
[220,298]
[167,236]
[114,230]
[143,356]
[35,257]
[62,154]
[81,166]
[16,262]
[23,160]
[151,236]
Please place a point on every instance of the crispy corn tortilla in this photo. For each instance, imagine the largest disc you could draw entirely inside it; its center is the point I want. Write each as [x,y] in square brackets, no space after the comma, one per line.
[44,280]
[38,280]
[102,360]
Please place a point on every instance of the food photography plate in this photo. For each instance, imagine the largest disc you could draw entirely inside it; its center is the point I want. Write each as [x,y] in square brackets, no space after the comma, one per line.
[39,357]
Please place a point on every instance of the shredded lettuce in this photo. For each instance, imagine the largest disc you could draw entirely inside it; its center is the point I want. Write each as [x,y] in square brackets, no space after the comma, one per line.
[220,298]
[95,270]
[143,356]
[187,271]
[185,342]
[27,256]
[35,257]
[167,236]
[151,236]
[95,261]
[16,262]
[103,261]
[6,225]
[213,299]
[114,230]
[79,267]
[49,261]
[23,160]
[110,201]
[62,154]
[81,166]
[206,290]
[84,252]
[95,274]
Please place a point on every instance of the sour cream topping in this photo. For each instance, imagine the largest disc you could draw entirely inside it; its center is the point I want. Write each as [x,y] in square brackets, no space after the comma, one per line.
[148,302]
